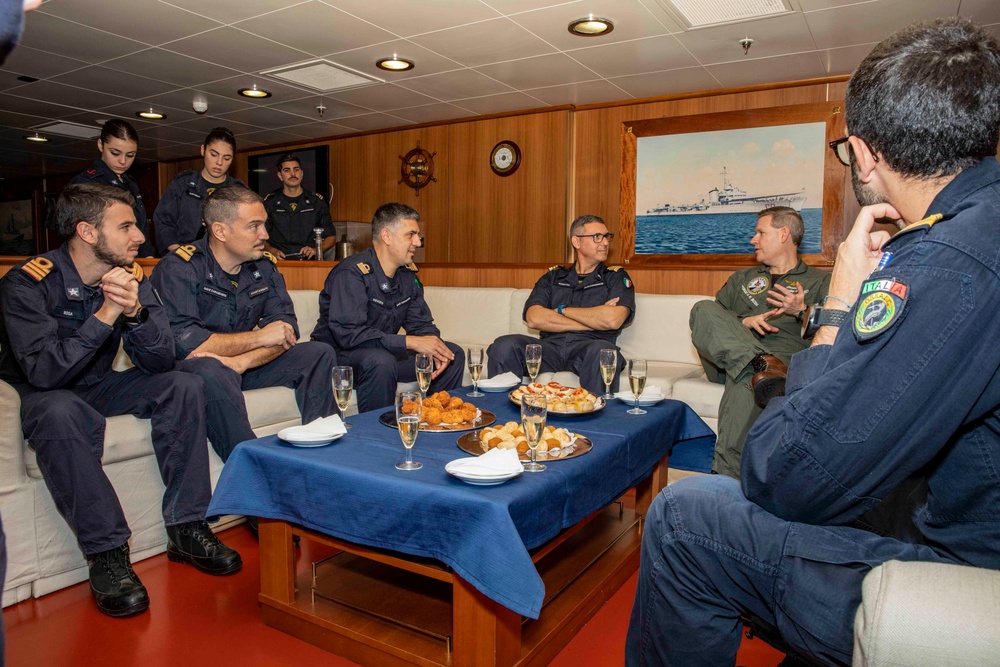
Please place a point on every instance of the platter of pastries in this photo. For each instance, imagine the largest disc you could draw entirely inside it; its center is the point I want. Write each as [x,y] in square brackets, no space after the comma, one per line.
[556,443]
[561,400]
[444,413]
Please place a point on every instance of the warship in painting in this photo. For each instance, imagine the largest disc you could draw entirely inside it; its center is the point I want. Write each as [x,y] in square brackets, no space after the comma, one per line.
[731,199]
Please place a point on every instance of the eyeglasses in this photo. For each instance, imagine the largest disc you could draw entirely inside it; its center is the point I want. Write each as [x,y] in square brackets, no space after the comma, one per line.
[842,150]
[610,236]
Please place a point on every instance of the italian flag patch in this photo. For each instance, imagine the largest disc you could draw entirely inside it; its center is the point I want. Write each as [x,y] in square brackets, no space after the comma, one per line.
[628,283]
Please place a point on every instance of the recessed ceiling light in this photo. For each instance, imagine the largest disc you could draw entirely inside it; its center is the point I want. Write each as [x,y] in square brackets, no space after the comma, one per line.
[150,115]
[254,92]
[395,64]
[40,138]
[591,26]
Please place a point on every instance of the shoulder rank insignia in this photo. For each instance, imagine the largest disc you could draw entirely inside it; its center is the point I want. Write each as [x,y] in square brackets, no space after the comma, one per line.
[553,268]
[882,304]
[38,268]
[136,271]
[318,196]
[412,267]
[614,268]
[268,196]
[186,252]
[363,268]
[274,260]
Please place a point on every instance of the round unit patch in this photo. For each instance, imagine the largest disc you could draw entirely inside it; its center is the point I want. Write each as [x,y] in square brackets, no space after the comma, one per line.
[882,303]
[758,285]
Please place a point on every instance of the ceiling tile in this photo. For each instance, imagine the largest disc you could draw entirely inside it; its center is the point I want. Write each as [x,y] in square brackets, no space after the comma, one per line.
[363,60]
[845,60]
[775,36]
[453,85]
[112,81]
[32,107]
[383,97]
[160,23]
[814,5]
[432,112]
[231,11]
[206,125]
[500,103]
[57,93]
[320,130]
[20,120]
[413,18]
[517,6]
[306,106]
[652,54]
[486,42]
[40,64]
[631,20]
[550,70]
[374,121]
[237,49]
[982,12]
[761,70]
[228,87]
[262,117]
[72,40]
[342,32]
[130,108]
[182,98]
[269,137]
[170,133]
[873,21]
[172,67]
[673,82]
[590,92]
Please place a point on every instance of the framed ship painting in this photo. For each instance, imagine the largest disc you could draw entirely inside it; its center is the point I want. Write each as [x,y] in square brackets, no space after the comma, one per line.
[692,185]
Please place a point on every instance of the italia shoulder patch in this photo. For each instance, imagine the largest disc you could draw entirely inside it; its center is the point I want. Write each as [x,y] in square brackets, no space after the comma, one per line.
[38,268]
[269,256]
[186,252]
[363,268]
[136,271]
[881,305]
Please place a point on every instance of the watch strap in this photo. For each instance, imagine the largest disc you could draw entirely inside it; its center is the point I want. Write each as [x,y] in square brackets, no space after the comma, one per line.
[831,318]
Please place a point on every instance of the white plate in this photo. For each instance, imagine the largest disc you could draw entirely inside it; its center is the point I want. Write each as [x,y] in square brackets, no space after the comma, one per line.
[628,398]
[481,480]
[299,441]
[498,389]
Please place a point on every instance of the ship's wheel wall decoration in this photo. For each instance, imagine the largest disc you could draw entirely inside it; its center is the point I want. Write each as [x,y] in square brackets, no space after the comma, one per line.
[417,169]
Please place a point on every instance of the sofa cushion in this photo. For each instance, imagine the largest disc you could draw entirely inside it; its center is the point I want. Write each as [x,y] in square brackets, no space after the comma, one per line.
[469,314]
[700,394]
[665,334]
[306,304]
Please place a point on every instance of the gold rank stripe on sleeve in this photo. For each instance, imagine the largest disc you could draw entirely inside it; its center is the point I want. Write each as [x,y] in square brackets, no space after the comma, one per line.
[272,258]
[186,252]
[38,268]
[136,271]
[364,268]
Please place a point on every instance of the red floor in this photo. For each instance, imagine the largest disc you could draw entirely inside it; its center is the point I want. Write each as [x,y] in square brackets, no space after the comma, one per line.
[196,619]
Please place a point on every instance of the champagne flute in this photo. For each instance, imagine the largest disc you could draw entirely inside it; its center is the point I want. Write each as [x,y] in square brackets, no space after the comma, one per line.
[637,382]
[474,355]
[343,383]
[425,368]
[534,408]
[408,406]
[609,365]
[533,359]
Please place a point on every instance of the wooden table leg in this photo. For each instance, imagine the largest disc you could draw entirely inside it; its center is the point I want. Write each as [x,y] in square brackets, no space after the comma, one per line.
[277,563]
[484,632]
[649,488]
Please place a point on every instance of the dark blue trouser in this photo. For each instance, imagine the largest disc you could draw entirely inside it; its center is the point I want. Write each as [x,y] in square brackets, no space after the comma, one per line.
[306,367]
[66,427]
[559,353]
[709,555]
[377,371]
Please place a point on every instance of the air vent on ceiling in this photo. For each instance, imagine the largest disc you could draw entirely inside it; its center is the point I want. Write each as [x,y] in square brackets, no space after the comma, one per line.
[69,130]
[322,75]
[704,13]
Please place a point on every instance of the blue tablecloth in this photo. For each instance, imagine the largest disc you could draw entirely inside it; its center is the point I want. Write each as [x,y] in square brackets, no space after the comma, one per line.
[351,490]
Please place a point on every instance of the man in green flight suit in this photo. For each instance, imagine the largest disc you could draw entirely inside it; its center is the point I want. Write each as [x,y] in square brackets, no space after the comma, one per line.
[755,325]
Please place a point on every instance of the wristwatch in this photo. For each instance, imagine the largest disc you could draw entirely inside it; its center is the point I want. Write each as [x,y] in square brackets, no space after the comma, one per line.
[139,317]
[822,317]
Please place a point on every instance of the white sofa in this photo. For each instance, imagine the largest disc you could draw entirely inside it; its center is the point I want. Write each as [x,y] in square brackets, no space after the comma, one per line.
[43,555]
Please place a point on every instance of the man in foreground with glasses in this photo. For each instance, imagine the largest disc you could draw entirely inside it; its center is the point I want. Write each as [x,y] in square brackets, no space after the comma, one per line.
[904,380]
[754,326]
[368,298]
[579,310]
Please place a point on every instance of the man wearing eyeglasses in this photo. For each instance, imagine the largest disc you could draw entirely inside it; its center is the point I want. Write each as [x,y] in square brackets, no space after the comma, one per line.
[579,310]
[754,326]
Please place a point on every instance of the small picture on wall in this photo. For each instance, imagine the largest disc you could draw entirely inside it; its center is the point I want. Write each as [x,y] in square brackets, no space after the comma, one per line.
[699,192]
[17,234]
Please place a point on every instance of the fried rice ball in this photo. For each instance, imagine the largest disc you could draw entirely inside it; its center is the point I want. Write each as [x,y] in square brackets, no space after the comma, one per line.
[433,403]
[442,397]
[453,403]
[452,416]
[410,407]
[468,412]
[433,416]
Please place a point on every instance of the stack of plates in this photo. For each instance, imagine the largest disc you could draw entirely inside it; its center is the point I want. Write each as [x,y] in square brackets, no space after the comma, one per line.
[500,383]
[648,397]
[317,433]
[495,467]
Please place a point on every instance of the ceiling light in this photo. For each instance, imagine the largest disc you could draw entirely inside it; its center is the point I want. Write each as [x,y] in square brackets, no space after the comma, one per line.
[40,138]
[254,92]
[395,64]
[150,115]
[591,26]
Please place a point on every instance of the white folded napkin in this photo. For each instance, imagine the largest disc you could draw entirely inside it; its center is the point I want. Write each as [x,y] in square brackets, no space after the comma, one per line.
[648,394]
[505,380]
[493,463]
[324,427]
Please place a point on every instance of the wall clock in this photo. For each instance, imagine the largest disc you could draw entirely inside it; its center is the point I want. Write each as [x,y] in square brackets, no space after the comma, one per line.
[505,158]
[417,169]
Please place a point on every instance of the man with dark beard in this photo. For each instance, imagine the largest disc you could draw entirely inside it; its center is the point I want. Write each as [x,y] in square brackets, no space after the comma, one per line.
[902,380]
[64,314]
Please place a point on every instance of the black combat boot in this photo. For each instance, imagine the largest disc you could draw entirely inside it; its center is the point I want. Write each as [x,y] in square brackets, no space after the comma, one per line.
[117,590]
[195,543]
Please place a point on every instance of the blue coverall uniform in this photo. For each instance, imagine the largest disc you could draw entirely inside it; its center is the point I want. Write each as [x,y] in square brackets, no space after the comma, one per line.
[911,385]
[290,221]
[58,356]
[361,311]
[577,351]
[101,173]
[178,216]
[201,300]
